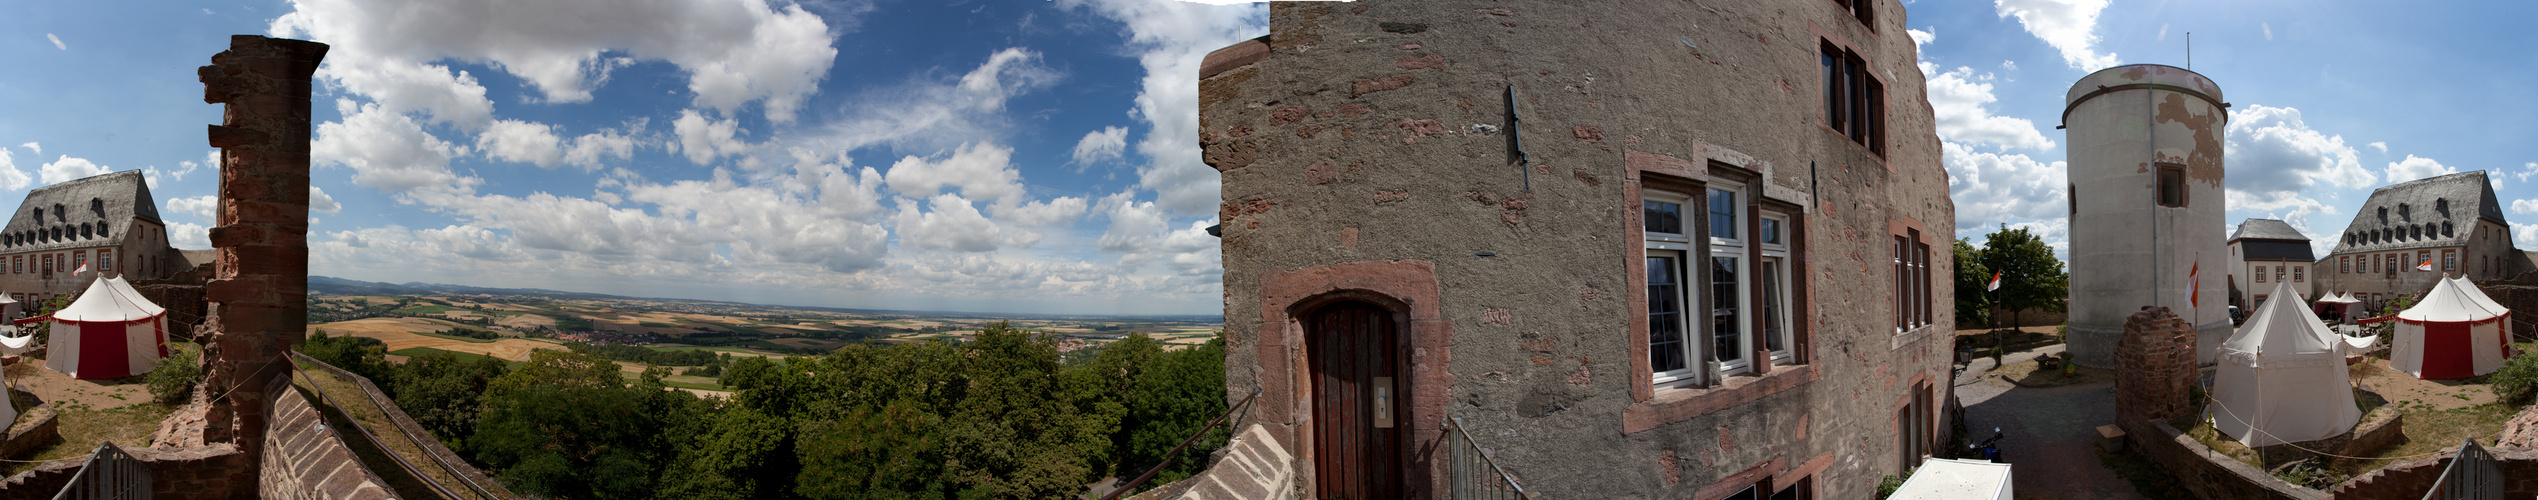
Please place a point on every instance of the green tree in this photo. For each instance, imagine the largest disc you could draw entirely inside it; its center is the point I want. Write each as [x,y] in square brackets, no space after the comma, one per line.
[1179,393]
[1973,304]
[443,393]
[2030,276]
[567,425]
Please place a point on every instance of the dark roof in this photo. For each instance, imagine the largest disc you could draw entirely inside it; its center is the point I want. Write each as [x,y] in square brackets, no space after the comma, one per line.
[2432,212]
[107,201]
[2267,229]
[2276,250]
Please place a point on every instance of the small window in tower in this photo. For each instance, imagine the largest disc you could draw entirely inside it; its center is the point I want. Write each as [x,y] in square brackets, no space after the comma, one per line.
[2074,191]
[98,206]
[2172,192]
[60,215]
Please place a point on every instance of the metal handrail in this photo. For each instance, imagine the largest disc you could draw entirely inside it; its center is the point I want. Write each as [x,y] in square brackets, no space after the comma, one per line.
[374,438]
[1468,479]
[419,441]
[1176,450]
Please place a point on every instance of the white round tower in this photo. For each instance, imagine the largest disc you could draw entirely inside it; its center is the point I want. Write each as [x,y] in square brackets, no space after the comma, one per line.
[2147,206]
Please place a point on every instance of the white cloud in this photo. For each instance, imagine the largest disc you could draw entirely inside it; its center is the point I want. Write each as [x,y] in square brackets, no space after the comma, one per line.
[2524,235]
[2009,65]
[2068,25]
[2276,161]
[1957,98]
[2414,167]
[2381,146]
[68,168]
[1922,36]
[1992,187]
[211,158]
[935,114]
[57,41]
[320,202]
[1044,213]
[734,51]
[2163,33]
[10,177]
[981,171]
[32,147]
[2527,170]
[202,207]
[388,151]
[1133,224]
[187,235]
[1098,145]
[705,139]
[520,141]
[592,148]
[952,223]
[2269,30]
[1172,37]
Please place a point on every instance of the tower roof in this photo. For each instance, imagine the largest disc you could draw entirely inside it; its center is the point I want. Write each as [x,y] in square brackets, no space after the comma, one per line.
[2267,229]
[2431,212]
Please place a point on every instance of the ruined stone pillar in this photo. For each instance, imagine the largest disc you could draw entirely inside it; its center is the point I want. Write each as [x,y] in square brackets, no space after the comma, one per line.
[259,286]
[2154,367]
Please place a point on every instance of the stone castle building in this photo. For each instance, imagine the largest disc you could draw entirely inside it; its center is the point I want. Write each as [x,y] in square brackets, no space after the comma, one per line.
[109,223]
[2146,139]
[2452,221]
[1637,249]
[2265,253]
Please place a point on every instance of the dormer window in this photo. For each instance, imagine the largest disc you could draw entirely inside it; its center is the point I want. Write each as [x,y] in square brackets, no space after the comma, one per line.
[2445,230]
[2405,212]
[2441,205]
[39,215]
[60,215]
[2383,215]
[97,205]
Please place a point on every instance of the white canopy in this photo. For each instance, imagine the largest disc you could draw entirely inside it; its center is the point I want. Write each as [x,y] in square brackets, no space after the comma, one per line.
[1941,478]
[107,334]
[2454,332]
[134,295]
[2338,298]
[2282,378]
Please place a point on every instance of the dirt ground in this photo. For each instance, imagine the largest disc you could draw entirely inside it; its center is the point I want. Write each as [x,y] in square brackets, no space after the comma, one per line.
[2400,388]
[29,375]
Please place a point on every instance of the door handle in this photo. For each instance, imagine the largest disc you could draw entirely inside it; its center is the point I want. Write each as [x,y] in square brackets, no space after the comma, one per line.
[1383,402]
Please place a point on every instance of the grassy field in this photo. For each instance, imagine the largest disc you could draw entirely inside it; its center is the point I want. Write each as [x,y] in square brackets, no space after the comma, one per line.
[732,350]
[83,427]
[427,310]
[462,356]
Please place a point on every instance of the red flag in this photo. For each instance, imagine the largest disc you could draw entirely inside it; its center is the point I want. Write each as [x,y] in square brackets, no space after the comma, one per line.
[2425,266]
[1995,284]
[2194,285]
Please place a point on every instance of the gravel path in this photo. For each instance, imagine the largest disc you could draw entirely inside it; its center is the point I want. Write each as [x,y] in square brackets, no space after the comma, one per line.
[2049,430]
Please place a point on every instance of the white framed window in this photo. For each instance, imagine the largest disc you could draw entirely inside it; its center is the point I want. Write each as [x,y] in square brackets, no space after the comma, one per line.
[1731,299]
[1777,330]
[1672,352]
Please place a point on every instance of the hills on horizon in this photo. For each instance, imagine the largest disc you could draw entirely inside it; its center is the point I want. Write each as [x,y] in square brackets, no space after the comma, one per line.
[341,286]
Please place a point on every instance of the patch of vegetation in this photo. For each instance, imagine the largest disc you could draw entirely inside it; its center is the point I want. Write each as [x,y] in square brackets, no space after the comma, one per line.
[173,381]
[2517,383]
[82,427]
[645,355]
[570,323]
[426,309]
[657,324]
[2430,431]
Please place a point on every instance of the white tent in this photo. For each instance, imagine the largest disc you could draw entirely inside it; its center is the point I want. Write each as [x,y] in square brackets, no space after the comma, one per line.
[9,308]
[2282,378]
[2454,332]
[1941,478]
[2344,303]
[106,334]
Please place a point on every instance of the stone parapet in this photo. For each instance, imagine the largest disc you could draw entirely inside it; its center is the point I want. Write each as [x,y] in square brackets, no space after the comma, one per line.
[2154,366]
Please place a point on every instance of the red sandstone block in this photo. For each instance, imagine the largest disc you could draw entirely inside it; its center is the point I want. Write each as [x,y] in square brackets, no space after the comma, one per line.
[273,259]
[236,235]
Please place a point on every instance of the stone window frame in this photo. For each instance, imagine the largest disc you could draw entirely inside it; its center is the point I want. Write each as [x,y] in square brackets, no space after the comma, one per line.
[2260,274]
[1863,10]
[1848,100]
[105,259]
[1909,259]
[2281,272]
[2172,192]
[2344,264]
[1654,406]
[1915,417]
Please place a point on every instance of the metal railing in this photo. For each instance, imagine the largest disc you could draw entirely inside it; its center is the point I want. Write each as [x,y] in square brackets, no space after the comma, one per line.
[1185,443]
[109,473]
[382,444]
[422,442]
[2471,475]
[1475,474]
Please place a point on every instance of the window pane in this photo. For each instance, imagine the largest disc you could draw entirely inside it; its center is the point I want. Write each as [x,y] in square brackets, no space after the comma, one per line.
[1769,232]
[1662,217]
[1725,329]
[1771,305]
[1722,214]
[1832,92]
[1665,316]
[1858,99]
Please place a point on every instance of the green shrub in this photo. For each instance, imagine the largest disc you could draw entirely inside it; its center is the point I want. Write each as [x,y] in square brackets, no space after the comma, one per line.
[1887,486]
[2517,382]
[173,381]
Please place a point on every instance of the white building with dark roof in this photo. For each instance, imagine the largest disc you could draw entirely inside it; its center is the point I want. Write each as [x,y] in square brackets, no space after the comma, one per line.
[108,222]
[2451,221]
[2264,253]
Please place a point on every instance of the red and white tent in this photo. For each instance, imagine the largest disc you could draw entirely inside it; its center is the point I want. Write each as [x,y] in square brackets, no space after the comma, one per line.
[2454,332]
[107,333]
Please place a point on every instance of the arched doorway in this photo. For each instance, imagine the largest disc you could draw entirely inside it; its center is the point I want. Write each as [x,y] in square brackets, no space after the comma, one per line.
[1358,418]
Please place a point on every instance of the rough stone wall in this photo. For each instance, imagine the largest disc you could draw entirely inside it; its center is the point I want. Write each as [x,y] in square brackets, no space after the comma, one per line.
[2209,474]
[185,307]
[1378,132]
[306,459]
[407,425]
[259,289]
[2409,480]
[2154,366]
[208,472]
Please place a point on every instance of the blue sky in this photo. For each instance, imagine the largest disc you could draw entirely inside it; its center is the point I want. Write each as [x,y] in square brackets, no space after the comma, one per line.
[1039,156]
[2328,100]
[1029,156]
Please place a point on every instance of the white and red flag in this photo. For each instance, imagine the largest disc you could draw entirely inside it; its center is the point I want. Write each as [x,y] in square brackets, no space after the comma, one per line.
[2194,285]
[83,269]
[2425,266]
[1995,284]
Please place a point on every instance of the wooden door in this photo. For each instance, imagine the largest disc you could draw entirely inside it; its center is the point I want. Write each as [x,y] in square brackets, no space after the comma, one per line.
[1357,411]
